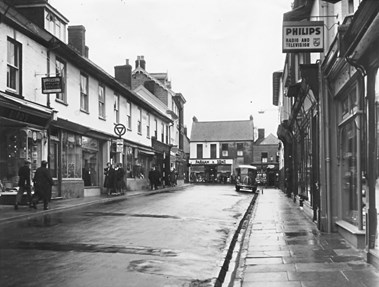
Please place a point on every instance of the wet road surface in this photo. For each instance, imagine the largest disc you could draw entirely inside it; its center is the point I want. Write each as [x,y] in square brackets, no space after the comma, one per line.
[170,239]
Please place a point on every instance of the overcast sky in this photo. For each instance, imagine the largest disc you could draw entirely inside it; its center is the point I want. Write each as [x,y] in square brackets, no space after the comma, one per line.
[220,54]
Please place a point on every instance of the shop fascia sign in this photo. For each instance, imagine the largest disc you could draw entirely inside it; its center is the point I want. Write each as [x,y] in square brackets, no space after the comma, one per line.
[307,36]
[52,85]
[210,161]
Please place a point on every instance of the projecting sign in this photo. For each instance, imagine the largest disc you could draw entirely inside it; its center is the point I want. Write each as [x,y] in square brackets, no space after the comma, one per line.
[303,36]
[51,85]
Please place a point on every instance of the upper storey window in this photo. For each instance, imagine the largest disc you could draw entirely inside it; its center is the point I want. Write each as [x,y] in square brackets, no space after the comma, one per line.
[55,26]
[13,66]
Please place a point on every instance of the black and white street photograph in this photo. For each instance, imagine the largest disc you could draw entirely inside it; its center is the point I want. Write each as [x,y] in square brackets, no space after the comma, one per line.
[188,143]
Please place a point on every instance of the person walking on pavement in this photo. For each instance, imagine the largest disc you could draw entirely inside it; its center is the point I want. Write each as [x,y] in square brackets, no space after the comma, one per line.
[42,185]
[23,184]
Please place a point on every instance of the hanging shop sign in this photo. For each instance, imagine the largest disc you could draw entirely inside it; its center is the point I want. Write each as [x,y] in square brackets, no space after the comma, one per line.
[305,36]
[52,85]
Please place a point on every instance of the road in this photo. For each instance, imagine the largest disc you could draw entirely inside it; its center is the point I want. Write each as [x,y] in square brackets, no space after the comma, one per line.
[177,238]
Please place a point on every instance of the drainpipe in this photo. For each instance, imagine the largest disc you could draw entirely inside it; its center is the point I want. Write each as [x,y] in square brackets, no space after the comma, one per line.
[372,156]
[325,200]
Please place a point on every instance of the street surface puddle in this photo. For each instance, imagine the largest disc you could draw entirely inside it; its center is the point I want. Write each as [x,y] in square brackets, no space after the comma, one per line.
[83,247]
[98,213]
[296,234]
[154,216]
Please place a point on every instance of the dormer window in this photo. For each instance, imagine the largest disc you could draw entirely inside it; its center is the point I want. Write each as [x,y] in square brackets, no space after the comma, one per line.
[55,26]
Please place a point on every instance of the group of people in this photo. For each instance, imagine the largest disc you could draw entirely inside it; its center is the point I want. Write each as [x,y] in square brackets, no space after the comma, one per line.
[42,181]
[114,179]
[155,178]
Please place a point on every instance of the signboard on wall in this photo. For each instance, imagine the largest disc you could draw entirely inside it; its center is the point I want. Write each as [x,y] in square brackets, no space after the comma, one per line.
[210,161]
[307,36]
[51,85]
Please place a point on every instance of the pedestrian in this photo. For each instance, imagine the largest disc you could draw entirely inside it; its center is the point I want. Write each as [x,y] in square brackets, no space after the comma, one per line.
[173,177]
[24,184]
[119,177]
[42,185]
[154,178]
[109,181]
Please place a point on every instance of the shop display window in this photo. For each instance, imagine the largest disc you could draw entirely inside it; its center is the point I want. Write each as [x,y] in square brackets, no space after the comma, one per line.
[350,159]
[71,156]
[90,161]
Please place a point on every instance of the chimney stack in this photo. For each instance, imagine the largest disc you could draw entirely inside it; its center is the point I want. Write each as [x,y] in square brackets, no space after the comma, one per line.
[194,119]
[77,39]
[123,74]
[261,133]
[140,62]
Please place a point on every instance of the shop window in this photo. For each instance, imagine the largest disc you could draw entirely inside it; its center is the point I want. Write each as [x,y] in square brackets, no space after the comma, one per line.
[71,156]
[349,156]
[90,161]
[84,93]
[53,154]
[13,65]
[60,71]
[101,92]
[351,159]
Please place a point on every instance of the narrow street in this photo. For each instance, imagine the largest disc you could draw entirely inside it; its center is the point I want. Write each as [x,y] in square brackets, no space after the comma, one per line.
[172,239]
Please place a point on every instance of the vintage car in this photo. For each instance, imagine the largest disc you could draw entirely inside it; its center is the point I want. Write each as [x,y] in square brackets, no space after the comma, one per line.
[246,178]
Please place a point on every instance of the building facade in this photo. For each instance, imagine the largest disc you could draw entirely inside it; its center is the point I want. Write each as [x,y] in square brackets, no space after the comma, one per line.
[217,148]
[78,125]
[265,158]
[329,121]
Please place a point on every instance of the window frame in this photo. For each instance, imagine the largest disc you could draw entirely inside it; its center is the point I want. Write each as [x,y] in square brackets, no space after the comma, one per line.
[16,66]
[84,94]
[61,97]
[116,107]
[129,115]
[101,101]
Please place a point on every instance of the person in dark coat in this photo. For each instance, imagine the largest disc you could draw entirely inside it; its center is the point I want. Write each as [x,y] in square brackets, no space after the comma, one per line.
[154,178]
[23,184]
[119,177]
[42,185]
[109,181]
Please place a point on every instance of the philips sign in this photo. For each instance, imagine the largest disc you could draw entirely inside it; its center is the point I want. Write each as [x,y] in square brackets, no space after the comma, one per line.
[303,36]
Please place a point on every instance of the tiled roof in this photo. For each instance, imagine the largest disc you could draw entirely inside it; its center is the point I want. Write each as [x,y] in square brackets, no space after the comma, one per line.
[269,140]
[222,131]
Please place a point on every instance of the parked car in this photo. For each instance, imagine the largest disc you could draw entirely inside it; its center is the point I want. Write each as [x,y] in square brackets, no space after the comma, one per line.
[246,178]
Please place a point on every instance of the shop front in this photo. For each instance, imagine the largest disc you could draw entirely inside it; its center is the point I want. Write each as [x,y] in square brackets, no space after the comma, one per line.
[210,170]
[24,135]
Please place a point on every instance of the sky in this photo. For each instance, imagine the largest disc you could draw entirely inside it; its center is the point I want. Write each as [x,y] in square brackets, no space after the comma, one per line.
[219,54]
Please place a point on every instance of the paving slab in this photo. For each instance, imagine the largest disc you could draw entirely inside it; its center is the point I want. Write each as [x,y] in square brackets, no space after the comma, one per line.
[284,248]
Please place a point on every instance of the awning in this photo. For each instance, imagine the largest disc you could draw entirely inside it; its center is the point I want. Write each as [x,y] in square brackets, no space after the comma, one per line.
[224,168]
[146,151]
[24,111]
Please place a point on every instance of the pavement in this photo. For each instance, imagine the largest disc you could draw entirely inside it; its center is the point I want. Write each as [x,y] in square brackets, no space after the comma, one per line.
[283,247]
[279,246]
